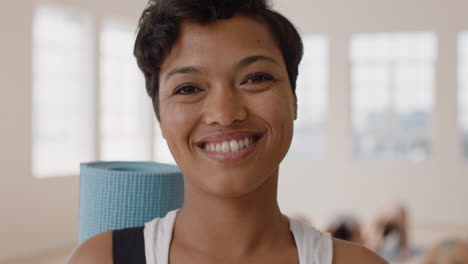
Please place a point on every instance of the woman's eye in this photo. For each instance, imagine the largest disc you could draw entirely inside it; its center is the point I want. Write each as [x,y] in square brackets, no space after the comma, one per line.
[258,78]
[186,90]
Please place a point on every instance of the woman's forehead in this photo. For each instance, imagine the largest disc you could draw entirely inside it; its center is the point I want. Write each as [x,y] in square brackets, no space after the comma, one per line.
[221,43]
[236,25]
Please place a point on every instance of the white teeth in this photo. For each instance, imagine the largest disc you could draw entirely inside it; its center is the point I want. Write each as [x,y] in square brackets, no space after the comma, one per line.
[229,146]
[234,146]
[225,147]
[241,144]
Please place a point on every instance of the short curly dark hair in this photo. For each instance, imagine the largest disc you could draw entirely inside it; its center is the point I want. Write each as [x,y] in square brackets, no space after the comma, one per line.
[159,26]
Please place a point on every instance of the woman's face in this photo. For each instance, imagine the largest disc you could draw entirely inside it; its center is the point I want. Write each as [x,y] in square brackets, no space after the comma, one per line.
[226,105]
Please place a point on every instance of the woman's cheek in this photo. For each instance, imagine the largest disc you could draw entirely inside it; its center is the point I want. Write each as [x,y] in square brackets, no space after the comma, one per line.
[276,108]
[178,121]
[177,128]
[283,116]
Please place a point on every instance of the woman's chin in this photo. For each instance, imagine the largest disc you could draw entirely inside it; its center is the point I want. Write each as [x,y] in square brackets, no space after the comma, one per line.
[235,186]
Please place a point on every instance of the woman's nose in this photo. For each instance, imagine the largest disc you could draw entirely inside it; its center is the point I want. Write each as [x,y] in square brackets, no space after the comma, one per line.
[224,107]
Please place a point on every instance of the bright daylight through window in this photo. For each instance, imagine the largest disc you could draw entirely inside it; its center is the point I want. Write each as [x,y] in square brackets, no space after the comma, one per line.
[62,129]
[463,87]
[311,89]
[125,111]
[392,78]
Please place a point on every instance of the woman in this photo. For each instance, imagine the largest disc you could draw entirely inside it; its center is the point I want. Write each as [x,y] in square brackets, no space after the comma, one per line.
[222,76]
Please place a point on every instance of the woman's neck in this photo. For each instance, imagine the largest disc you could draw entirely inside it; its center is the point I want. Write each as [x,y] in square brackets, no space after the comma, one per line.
[236,226]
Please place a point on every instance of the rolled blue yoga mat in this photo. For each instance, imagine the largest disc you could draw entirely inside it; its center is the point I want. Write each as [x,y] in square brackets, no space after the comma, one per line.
[115,195]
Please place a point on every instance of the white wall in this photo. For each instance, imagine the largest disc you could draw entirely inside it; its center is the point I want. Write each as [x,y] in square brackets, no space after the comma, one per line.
[41,214]
[435,191]
[35,214]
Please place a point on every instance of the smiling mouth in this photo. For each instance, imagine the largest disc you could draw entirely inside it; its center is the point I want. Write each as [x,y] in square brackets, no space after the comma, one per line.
[228,146]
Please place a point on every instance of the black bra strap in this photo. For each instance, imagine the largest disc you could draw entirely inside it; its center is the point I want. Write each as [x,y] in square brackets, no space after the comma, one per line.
[128,246]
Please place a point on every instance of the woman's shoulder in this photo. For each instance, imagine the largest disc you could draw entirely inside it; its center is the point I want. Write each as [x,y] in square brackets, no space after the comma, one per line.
[350,253]
[335,250]
[97,249]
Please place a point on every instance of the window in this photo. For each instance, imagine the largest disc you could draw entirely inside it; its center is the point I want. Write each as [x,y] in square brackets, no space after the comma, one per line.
[392,78]
[125,112]
[62,115]
[311,91]
[463,87]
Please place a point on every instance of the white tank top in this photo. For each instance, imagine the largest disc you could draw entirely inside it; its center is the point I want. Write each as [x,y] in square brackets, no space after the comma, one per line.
[313,246]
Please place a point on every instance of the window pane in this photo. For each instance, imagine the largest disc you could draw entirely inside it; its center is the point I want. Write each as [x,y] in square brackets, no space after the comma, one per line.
[463,87]
[392,78]
[125,111]
[311,91]
[62,86]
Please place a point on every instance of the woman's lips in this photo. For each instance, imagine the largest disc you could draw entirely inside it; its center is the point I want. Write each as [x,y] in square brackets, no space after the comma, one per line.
[230,150]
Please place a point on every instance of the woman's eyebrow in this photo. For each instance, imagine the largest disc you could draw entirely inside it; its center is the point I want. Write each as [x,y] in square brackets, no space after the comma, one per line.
[251,59]
[183,70]
[241,64]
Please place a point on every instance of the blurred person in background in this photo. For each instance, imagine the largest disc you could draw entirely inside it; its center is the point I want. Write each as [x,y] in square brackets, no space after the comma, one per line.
[346,227]
[448,252]
[389,236]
